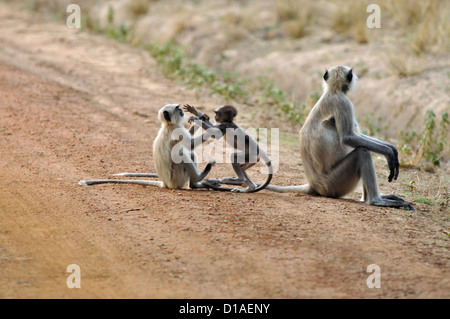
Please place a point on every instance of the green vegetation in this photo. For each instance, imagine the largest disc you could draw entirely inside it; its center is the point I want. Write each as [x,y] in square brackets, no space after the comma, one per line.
[177,66]
[423,200]
[427,145]
[174,63]
[371,127]
[416,149]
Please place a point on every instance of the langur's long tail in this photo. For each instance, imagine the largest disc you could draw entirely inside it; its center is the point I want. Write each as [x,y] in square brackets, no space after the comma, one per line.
[136,174]
[267,182]
[125,181]
[120,181]
[305,189]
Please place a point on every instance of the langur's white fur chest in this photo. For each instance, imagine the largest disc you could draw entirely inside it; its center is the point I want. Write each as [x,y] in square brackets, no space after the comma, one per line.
[173,176]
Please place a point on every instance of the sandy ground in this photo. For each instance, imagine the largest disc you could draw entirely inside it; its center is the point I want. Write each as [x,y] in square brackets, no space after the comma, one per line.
[76,106]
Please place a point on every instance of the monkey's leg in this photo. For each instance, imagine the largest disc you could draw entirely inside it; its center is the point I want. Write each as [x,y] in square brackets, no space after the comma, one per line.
[346,174]
[250,185]
[194,175]
[240,172]
[231,181]
[396,200]
[193,129]
[239,169]
[370,184]
[239,181]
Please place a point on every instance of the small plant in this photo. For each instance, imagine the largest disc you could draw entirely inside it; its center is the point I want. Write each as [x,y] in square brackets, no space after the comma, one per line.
[411,186]
[283,105]
[176,65]
[428,145]
[110,15]
[370,127]
[119,33]
[432,144]
[231,87]
[423,200]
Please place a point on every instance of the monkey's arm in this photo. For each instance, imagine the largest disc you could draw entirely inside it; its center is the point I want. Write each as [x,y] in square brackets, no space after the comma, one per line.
[198,122]
[191,142]
[392,147]
[356,141]
[375,140]
[345,125]
[204,118]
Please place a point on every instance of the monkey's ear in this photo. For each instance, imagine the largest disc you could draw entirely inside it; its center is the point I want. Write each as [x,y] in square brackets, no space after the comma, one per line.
[325,76]
[166,116]
[350,75]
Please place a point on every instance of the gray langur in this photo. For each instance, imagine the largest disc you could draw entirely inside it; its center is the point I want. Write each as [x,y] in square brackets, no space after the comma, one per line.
[335,155]
[249,153]
[173,174]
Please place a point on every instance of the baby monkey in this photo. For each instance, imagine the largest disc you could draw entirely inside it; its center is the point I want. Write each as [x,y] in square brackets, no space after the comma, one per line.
[248,149]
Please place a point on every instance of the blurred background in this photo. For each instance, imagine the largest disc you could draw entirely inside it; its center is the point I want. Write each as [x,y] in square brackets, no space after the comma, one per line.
[269,56]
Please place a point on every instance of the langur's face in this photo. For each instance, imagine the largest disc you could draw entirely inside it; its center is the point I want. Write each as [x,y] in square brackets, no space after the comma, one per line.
[225,114]
[218,117]
[172,113]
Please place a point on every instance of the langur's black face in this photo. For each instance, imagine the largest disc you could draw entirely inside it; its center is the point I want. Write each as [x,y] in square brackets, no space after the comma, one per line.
[217,117]
[180,111]
[225,114]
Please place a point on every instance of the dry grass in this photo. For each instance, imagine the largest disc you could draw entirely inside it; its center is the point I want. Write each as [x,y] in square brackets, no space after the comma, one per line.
[237,25]
[403,64]
[243,18]
[138,8]
[426,24]
[295,17]
[349,19]
[422,27]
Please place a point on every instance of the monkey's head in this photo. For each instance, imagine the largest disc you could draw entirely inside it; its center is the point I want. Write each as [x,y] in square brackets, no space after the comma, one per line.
[171,114]
[225,114]
[339,79]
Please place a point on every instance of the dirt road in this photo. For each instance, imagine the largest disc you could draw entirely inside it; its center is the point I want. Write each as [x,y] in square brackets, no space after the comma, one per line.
[75,105]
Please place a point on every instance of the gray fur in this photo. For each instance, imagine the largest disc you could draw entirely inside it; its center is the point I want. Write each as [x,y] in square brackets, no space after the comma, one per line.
[335,155]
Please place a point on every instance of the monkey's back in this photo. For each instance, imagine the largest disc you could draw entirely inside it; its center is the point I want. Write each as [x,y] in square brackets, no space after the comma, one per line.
[320,146]
[173,175]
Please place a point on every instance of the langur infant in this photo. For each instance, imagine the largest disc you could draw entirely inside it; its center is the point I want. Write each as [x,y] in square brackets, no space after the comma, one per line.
[249,152]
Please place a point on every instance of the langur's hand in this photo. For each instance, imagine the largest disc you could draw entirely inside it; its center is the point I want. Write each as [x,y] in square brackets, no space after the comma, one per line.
[394,165]
[397,163]
[190,109]
[192,119]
